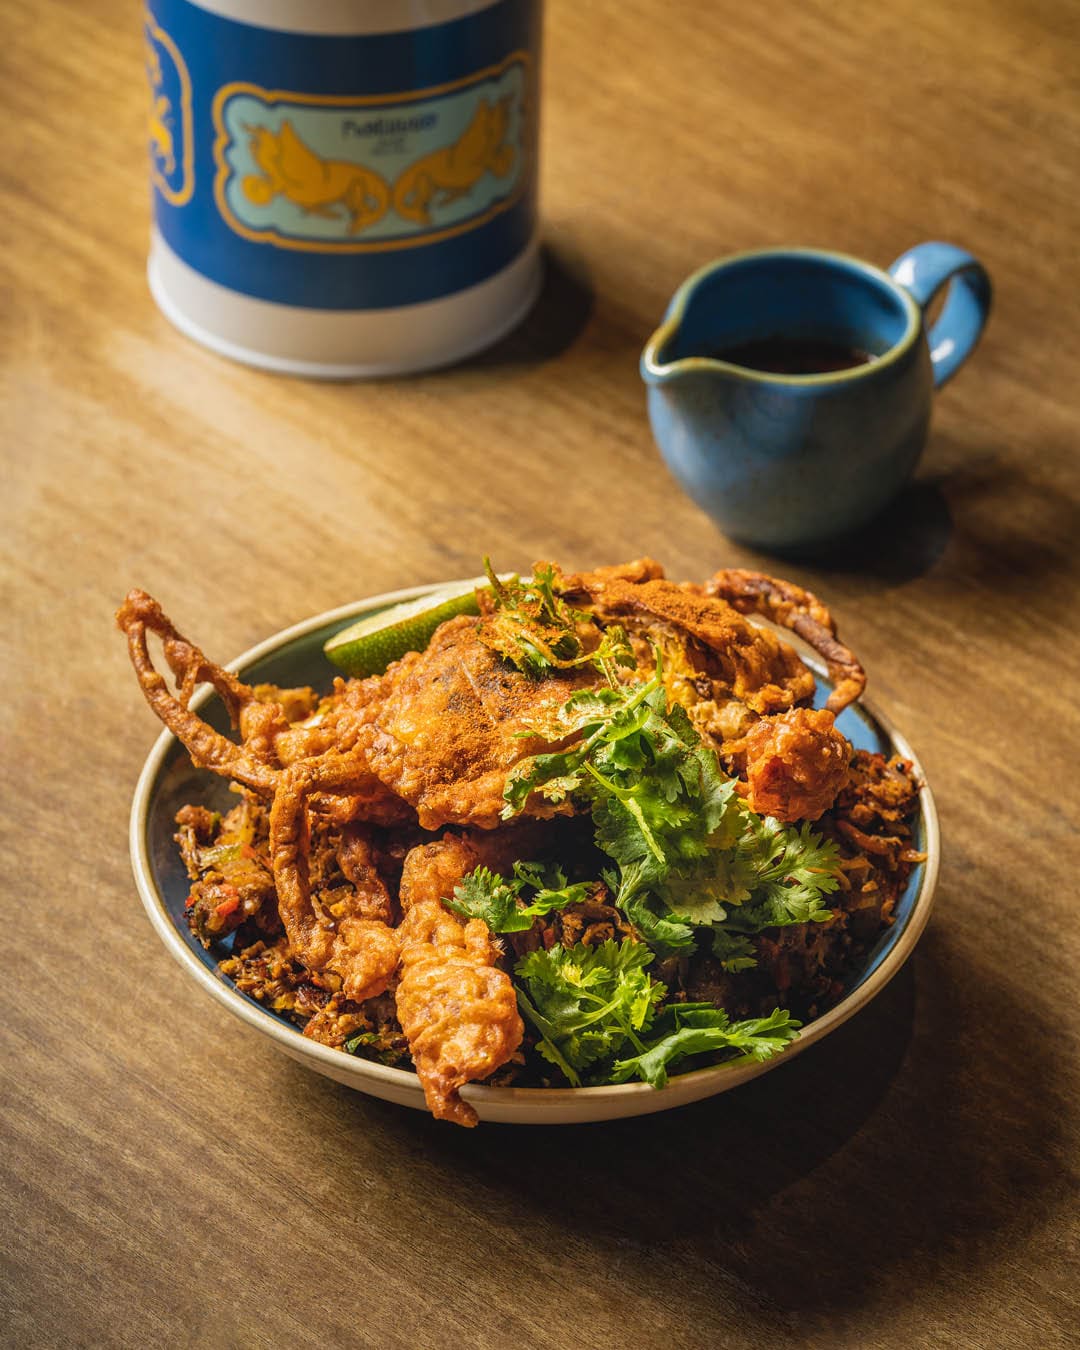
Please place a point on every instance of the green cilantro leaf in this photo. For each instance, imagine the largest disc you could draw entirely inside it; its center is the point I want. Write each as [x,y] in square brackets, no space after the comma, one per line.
[664,934]
[690,853]
[696,1028]
[787,870]
[734,951]
[587,1002]
[595,716]
[485,895]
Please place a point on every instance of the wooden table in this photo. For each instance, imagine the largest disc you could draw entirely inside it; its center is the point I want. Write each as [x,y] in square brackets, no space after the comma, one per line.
[170,1179]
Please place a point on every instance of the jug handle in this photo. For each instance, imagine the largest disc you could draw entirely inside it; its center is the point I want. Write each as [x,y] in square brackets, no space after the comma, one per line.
[922,271]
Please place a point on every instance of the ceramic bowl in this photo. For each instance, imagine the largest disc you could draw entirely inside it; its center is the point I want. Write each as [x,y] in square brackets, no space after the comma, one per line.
[294,657]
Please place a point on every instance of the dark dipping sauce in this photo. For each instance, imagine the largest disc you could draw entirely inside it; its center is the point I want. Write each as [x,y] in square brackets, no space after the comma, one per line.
[793,355]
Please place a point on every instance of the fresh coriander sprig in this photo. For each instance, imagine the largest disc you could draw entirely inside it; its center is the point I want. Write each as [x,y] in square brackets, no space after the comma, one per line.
[691,855]
[502,905]
[698,1028]
[588,1003]
[590,1006]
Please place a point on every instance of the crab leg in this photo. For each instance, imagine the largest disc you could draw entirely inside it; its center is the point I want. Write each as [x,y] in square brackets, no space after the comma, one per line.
[207,747]
[803,613]
[362,951]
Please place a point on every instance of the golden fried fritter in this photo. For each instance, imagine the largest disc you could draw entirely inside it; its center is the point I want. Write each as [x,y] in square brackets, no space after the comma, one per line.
[432,870]
[457,1009]
[725,671]
[363,951]
[796,764]
[803,613]
[448,729]
[356,858]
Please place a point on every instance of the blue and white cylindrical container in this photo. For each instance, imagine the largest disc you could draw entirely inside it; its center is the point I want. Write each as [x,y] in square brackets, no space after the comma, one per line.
[344,187]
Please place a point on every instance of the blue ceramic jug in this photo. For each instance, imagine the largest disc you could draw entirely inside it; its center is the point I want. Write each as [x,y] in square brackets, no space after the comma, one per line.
[793,462]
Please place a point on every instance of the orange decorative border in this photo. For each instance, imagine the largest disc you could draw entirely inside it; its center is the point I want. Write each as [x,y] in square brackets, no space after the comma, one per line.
[271,236]
[171,195]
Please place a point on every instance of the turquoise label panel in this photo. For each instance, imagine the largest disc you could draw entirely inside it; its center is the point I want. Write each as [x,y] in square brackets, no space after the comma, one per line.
[353,176]
[344,172]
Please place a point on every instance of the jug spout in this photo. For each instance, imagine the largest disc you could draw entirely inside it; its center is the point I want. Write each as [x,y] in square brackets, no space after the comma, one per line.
[687,344]
[661,363]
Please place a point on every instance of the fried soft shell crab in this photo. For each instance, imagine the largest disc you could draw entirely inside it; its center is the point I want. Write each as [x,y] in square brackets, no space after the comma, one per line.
[363,813]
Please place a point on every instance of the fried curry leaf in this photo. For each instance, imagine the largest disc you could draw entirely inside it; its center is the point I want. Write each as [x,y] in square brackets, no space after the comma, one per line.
[697,1028]
[501,904]
[587,1003]
[531,626]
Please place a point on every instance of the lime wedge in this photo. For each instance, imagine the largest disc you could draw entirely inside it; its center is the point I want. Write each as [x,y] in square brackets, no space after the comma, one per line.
[368,646]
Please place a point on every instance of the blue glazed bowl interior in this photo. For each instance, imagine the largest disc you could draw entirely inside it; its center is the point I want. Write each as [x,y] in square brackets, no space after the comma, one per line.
[301,662]
[797,296]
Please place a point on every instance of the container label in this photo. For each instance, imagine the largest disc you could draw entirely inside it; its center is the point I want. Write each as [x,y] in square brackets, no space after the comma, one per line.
[362,175]
[351,172]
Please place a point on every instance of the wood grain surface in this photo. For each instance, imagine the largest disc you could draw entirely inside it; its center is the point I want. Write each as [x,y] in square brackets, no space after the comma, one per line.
[169,1179]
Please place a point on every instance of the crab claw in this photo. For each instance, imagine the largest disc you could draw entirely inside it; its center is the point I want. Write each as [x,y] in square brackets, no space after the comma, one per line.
[804,615]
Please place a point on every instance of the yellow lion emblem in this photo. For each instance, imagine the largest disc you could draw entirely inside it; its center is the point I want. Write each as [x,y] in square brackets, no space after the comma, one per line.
[320,187]
[343,190]
[455,169]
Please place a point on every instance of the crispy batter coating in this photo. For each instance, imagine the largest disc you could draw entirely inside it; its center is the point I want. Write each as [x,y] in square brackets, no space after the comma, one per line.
[457,1009]
[448,730]
[141,613]
[791,607]
[725,671]
[353,941]
[363,951]
[796,764]
[432,870]
[333,725]
[271,738]
[356,858]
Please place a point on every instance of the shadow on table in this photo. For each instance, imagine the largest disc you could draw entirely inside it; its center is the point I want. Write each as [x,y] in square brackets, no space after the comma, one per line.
[1001,525]
[1012,530]
[903,542]
[918,1138]
[564,307]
